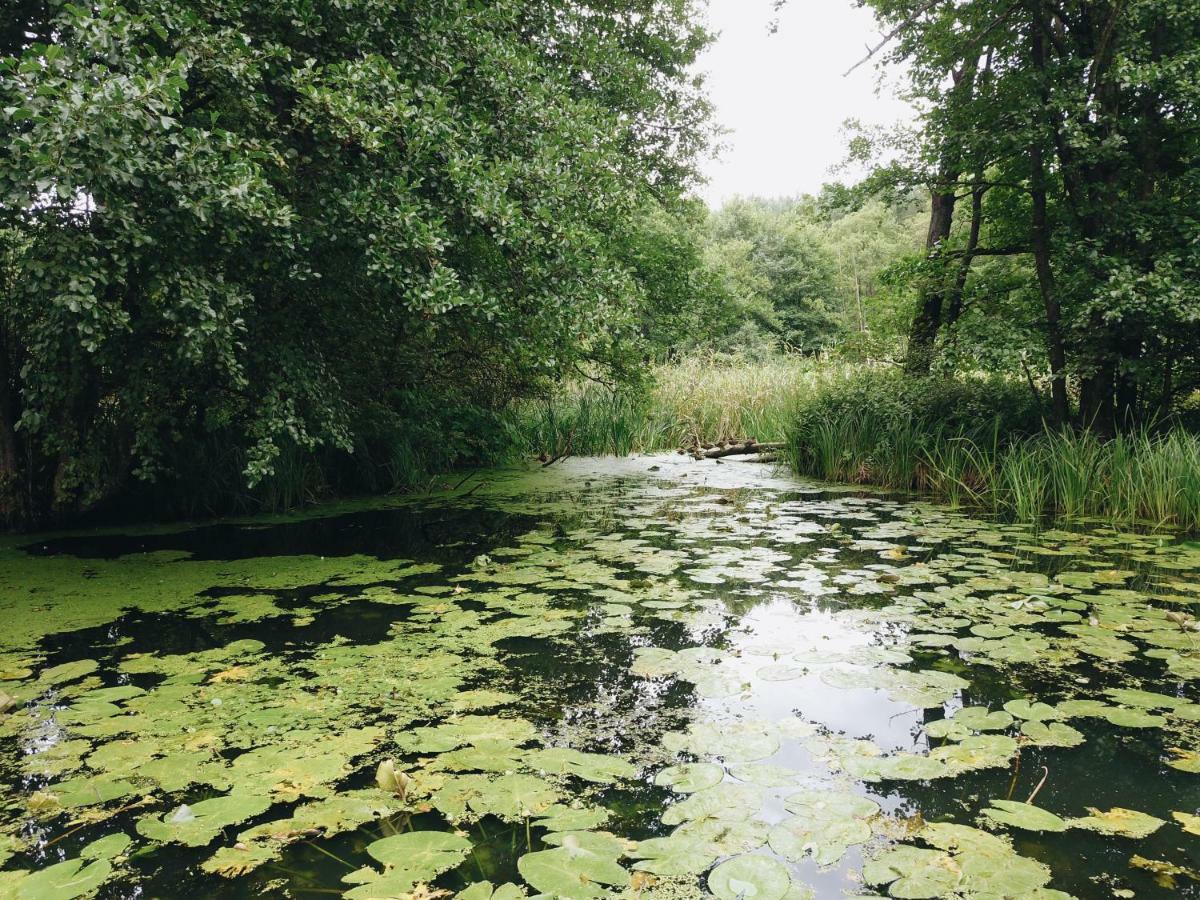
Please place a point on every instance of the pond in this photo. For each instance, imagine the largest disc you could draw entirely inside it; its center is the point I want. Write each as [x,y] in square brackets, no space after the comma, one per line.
[652,678]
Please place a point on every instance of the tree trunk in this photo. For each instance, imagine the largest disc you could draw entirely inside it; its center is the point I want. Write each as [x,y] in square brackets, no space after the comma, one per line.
[1040,235]
[954,308]
[12,507]
[928,321]
[1096,405]
[922,339]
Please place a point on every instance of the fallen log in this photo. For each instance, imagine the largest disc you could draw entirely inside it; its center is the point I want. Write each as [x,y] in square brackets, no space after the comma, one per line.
[747,447]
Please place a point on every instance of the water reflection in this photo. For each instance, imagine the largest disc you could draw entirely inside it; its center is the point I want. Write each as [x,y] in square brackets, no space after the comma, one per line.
[660,611]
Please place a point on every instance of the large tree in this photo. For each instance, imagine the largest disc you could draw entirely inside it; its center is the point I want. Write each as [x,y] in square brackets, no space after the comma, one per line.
[251,224]
[1072,129]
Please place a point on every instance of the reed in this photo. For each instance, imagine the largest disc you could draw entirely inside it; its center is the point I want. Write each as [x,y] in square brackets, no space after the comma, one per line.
[867,426]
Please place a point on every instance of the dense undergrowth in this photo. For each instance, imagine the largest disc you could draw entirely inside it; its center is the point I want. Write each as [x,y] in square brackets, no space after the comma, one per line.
[980,441]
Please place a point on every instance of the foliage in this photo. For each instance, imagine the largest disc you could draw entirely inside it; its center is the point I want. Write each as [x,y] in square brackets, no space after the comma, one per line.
[271,231]
[1058,143]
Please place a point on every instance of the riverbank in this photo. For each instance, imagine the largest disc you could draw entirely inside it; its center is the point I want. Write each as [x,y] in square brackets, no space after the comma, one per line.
[974,441]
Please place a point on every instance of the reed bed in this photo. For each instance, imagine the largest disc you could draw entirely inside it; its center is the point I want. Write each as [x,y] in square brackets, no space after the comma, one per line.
[1003,464]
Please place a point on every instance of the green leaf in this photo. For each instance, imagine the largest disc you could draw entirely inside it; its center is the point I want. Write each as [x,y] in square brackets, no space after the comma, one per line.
[752,876]
[200,824]
[1118,822]
[690,777]
[914,873]
[420,855]
[1024,815]
[571,871]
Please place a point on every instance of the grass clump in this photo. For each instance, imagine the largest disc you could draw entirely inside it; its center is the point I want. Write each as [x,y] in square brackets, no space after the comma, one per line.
[972,440]
[699,400]
[982,442]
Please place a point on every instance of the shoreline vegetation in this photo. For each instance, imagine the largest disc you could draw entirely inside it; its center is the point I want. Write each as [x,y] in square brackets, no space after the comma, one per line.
[973,441]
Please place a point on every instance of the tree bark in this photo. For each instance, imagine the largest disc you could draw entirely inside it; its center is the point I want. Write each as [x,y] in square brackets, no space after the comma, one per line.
[1040,238]
[922,339]
[12,507]
[928,321]
[954,308]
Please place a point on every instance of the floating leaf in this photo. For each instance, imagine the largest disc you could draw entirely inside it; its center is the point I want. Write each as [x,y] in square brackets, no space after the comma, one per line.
[980,718]
[1024,815]
[109,847]
[199,824]
[571,872]
[912,872]
[483,890]
[1119,822]
[63,881]
[690,777]
[726,801]
[593,767]
[1185,760]
[1051,734]
[1133,718]
[420,855]
[1188,822]
[751,876]
[1031,711]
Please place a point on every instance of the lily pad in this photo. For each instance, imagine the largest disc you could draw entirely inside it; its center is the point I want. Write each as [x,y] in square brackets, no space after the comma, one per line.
[63,881]
[1118,822]
[914,873]
[1051,734]
[690,777]
[1024,815]
[571,872]
[421,855]
[751,876]
[1032,711]
[593,767]
[200,824]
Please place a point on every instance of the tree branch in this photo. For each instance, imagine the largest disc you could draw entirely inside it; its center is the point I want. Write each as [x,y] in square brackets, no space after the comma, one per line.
[887,39]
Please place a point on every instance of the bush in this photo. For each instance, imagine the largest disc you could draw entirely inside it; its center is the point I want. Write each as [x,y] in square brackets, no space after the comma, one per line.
[882,427]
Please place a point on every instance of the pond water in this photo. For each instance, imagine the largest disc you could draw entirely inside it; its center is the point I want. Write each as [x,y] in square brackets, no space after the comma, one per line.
[652,678]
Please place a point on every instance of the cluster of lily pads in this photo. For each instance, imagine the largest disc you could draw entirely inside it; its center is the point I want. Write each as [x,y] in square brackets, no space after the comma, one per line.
[408,746]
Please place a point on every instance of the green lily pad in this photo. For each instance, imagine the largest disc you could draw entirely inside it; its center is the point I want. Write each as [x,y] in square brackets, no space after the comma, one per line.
[1024,815]
[674,856]
[572,871]
[593,767]
[200,824]
[1031,711]
[1188,822]
[980,718]
[1134,718]
[420,855]
[1185,760]
[726,801]
[914,873]
[1051,734]
[484,890]
[109,847]
[690,777]
[751,876]
[63,881]
[735,742]
[1118,822]
[567,818]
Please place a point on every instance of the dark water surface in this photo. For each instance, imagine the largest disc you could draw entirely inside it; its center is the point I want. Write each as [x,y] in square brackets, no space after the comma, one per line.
[643,678]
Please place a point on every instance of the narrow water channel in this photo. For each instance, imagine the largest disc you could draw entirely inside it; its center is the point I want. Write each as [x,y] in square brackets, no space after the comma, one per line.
[651,678]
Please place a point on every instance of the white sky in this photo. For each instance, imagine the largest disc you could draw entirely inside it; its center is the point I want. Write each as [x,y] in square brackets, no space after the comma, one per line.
[782,96]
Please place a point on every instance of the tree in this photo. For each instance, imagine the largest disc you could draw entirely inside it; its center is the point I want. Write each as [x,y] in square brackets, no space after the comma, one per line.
[1077,145]
[250,226]
[793,274]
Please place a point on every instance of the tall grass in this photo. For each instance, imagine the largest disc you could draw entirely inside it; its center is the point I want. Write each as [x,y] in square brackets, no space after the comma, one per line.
[1140,478]
[972,442]
[700,400]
